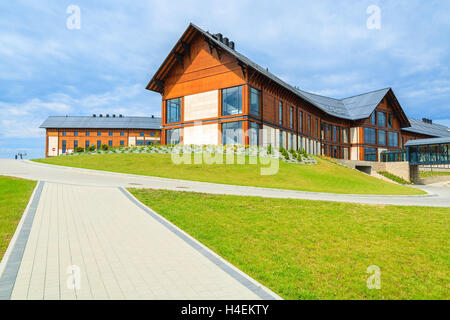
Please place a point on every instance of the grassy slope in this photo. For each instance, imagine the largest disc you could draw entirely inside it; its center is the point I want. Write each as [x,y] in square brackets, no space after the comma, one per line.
[14,196]
[323,177]
[319,250]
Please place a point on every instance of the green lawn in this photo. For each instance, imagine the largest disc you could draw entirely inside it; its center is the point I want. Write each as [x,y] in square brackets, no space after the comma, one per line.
[319,250]
[428,174]
[14,196]
[323,177]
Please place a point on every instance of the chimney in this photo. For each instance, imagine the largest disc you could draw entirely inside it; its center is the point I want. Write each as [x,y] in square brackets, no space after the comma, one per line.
[100,115]
[429,121]
[94,115]
[120,115]
[153,116]
[231,45]
[226,41]
[107,115]
[219,37]
[113,115]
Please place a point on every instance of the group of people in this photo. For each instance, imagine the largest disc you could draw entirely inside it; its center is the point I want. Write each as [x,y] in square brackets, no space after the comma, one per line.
[21,155]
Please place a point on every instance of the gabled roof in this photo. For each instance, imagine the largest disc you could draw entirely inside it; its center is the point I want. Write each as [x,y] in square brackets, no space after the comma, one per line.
[85,122]
[431,129]
[351,108]
[421,142]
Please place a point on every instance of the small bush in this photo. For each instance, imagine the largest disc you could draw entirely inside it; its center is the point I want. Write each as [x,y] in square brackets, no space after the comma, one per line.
[79,149]
[269,149]
[91,148]
[104,147]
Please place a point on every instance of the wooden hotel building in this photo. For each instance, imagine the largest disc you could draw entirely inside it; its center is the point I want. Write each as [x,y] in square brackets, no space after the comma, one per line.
[210,90]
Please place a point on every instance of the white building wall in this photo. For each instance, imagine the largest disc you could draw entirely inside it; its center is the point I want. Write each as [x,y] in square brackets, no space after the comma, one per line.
[52,144]
[202,105]
[201,134]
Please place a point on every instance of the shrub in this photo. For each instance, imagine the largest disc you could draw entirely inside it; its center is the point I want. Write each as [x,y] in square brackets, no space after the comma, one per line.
[299,157]
[79,149]
[91,148]
[269,149]
[292,151]
[104,147]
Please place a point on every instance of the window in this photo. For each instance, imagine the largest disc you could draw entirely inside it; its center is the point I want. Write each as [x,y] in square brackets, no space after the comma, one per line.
[300,121]
[291,117]
[390,120]
[110,143]
[87,134]
[75,133]
[335,152]
[64,146]
[141,134]
[173,136]
[372,119]
[382,137]
[122,133]
[86,144]
[309,125]
[122,142]
[291,141]
[110,133]
[393,139]
[345,135]
[280,139]
[64,133]
[232,101]
[173,110]
[329,132]
[334,133]
[99,133]
[152,134]
[254,102]
[369,135]
[75,144]
[317,128]
[280,112]
[370,154]
[232,132]
[140,142]
[254,134]
[381,117]
[99,144]
[322,131]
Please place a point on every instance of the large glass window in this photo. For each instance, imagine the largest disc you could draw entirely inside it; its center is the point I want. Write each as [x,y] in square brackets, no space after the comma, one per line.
[232,101]
[254,102]
[335,131]
[173,136]
[75,133]
[122,142]
[381,117]
[309,125]
[390,120]
[64,146]
[86,144]
[232,132]
[345,135]
[370,154]
[121,133]
[300,121]
[372,118]
[382,137]
[393,139]
[173,110]
[99,144]
[369,136]
[291,117]
[110,133]
[280,112]
[110,143]
[254,134]
[87,133]
[75,144]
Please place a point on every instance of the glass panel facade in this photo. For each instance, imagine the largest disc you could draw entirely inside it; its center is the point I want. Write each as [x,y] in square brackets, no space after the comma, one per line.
[372,118]
[280,112]
[232,101]
[232,132]
[254,134]
[291,117]
[254,102]
[370,154]
[382,137]
[393,139]
[390,120]
[369,136]
[381,117]
[173,136]
[173,110]
[300,121]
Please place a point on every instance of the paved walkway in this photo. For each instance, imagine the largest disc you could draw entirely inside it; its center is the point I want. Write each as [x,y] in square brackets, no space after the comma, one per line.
[119,248]
[439,193]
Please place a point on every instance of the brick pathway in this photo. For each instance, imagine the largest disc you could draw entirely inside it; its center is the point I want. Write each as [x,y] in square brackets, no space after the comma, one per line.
[121,251]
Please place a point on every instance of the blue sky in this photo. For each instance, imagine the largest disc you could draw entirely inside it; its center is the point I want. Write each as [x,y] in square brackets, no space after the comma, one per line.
[321,46]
